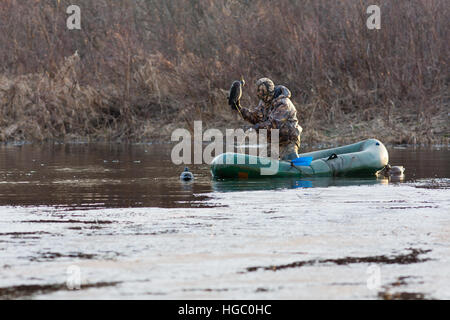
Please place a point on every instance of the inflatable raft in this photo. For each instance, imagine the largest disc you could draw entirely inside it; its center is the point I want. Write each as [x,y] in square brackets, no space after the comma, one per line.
[363,158]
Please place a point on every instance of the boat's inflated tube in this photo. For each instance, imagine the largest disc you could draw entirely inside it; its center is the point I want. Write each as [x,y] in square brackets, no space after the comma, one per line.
[363,158]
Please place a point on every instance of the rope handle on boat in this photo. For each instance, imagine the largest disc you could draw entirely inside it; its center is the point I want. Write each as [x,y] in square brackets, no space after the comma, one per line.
[333,156]
[293,165]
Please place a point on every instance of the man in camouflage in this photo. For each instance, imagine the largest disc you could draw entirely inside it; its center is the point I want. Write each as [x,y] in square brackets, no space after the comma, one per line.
[276,111]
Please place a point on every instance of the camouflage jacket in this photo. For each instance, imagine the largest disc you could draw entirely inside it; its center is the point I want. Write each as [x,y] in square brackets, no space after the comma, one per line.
[279,113]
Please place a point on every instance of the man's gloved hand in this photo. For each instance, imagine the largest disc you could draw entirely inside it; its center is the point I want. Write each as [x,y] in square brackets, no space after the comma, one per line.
[236,106]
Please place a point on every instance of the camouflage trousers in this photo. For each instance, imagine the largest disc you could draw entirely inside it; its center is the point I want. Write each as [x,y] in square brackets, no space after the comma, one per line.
[287,151]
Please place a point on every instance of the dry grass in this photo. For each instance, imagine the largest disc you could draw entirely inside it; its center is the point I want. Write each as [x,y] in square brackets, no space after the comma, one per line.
[145,67]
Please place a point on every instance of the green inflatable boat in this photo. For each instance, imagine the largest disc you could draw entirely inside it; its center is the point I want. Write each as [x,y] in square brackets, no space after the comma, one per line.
[363,158]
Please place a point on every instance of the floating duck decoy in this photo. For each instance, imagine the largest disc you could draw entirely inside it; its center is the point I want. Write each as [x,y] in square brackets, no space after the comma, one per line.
[186,175]
[397,170]
[392,171]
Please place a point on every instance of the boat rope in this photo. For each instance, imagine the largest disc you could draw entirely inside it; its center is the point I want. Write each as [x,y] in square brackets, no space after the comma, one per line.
[293,165]
[333,156]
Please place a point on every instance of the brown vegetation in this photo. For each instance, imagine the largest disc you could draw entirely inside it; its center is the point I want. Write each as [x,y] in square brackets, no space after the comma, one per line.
[145,67]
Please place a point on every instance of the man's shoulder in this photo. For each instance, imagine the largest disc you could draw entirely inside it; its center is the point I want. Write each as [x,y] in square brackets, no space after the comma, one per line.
[283,102]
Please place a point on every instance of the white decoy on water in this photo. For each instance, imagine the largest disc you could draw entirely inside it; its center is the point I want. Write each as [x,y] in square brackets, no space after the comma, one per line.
[389,171]
[397,170]
[186,175]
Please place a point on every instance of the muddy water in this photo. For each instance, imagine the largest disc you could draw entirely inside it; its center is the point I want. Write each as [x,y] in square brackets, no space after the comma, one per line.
[117,218]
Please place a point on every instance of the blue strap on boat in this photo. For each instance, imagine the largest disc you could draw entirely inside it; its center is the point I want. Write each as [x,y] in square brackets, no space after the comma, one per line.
[302,161]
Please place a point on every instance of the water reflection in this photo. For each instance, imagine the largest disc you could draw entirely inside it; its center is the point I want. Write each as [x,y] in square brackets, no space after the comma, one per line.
[94,175]
[143,175]
[290,183]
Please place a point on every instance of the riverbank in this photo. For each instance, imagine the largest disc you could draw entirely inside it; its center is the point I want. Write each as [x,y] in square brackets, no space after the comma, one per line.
[398,130]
